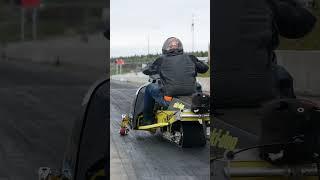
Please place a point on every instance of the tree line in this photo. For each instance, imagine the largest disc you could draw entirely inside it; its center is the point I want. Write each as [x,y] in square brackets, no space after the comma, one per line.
[151,57]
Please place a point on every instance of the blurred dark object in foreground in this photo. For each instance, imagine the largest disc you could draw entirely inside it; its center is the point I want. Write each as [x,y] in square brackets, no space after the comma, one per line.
[107,34]
[245,71]
[293,122]
[292,20]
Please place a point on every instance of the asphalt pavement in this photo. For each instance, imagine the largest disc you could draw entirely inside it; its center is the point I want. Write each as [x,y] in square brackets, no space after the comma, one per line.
[141,155]
[38,104]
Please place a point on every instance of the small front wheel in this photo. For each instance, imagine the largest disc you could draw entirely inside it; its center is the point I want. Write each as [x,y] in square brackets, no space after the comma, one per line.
[123,131]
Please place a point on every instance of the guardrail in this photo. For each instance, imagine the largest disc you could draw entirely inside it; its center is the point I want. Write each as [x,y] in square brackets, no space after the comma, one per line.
[140,78]
[66,50]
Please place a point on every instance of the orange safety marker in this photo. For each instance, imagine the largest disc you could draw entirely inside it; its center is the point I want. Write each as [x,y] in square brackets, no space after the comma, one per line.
[167,98]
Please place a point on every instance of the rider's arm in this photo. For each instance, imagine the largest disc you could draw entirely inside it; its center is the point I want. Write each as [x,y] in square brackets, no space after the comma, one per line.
[153,68]
[200,66]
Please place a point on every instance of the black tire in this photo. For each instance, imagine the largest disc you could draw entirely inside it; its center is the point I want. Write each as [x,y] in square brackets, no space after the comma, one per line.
[192,135]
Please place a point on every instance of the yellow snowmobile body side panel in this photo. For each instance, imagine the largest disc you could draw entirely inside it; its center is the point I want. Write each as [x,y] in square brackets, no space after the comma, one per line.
[207,118]
[152,126]
[165,118]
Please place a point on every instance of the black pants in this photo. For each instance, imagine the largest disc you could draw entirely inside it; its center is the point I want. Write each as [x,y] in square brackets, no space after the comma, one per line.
[283,82]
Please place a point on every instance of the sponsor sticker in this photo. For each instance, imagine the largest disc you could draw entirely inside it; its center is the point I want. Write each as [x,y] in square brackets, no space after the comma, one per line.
[223,139]
[178,105]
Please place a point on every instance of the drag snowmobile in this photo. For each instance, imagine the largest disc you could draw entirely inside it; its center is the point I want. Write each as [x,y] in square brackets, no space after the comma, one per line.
[184,122]
[248,165]
[245,76]
[284,151]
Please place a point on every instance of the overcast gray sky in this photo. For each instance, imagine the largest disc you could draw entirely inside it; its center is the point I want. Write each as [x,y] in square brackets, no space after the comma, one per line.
[132,21]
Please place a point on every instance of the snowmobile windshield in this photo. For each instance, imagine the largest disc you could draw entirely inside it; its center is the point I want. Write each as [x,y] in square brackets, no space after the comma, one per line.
[172,44]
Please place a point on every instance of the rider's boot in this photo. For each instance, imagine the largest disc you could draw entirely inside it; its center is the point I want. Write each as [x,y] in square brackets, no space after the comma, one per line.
[147,121]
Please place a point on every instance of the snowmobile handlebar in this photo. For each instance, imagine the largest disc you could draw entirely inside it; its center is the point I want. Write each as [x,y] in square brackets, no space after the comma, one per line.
[154,78]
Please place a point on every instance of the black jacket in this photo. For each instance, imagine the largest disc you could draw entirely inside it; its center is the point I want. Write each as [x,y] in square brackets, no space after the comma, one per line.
[177,72]
[154,68]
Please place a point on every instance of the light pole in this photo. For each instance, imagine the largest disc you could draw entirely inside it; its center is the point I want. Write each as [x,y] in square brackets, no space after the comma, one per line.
[34,23]
[192,32]
[148,45]
[22,26]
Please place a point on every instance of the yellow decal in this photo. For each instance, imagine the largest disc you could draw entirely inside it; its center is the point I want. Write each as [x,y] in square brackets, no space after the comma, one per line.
[98,175]
[223,140]
[178,105]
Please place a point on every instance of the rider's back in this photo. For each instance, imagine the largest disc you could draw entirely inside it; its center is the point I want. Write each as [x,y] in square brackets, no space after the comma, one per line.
[242,71]
[178,75]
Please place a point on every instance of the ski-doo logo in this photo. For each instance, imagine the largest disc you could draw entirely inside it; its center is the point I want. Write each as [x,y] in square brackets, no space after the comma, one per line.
[223,140]
[178,105]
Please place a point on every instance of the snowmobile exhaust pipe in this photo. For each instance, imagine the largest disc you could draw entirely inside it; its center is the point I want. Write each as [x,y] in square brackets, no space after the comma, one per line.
[263,172]
[194,115]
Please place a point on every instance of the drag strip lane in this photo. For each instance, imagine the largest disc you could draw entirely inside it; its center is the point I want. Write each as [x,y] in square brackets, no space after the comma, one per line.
[141,155]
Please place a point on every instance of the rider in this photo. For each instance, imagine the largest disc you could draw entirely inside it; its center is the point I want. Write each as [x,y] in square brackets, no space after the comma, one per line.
[291,20]
[177,72]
